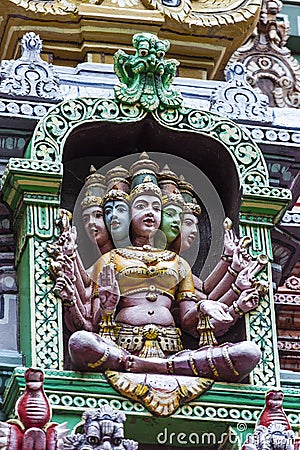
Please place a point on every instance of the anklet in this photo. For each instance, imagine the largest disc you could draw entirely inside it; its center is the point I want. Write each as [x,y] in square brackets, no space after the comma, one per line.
[211,363]
[170,366]
[101,360]
[228,360]
[193,365]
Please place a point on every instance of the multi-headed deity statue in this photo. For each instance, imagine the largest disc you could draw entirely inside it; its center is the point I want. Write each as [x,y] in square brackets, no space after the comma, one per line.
[121,311]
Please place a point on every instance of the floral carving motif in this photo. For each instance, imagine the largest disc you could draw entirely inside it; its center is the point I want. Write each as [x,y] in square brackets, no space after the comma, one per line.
[266,58]
[29,75]
[238,100]
[293,283]
[60,7]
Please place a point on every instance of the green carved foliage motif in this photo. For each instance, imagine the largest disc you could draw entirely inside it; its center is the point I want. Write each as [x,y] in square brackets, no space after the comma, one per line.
[146,77]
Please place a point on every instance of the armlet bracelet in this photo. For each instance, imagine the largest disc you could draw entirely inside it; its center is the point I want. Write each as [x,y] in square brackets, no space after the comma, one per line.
[237,309]
[235,289]
[232,272]
[226,258]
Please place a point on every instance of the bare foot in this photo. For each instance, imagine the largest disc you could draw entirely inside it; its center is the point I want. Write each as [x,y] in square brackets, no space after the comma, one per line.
[134,364]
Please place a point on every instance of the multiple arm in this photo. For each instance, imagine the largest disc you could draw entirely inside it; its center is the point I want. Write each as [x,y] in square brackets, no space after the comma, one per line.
[84,303]
[230,291]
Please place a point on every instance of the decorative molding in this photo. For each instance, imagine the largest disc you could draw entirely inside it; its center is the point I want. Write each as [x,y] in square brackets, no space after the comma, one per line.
[289,346]
[291,218]
[203,410]
[268,135]
[48,313]
[32,166]
[268,191]
[52,131]
[287,299]
[269,63]
[18,108]
[238,100]
[212,13]
[29,75]
[60,7]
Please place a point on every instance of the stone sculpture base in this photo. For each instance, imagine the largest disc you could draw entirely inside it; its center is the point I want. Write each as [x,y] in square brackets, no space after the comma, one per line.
[160,394]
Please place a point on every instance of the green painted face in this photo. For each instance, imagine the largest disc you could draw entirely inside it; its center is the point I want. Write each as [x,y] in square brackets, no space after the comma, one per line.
[171,222]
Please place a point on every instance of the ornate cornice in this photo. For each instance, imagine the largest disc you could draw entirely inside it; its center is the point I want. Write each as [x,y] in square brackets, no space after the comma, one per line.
[57,7]
[269,63]
[29,75]
[215,12]
[203,34]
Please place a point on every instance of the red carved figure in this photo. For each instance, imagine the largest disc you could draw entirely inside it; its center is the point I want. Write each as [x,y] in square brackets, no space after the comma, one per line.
[273,430]
[32,431]
[33,407]
[273,411]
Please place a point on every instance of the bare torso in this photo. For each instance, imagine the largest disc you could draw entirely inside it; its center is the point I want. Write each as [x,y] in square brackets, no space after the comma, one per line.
[137,310]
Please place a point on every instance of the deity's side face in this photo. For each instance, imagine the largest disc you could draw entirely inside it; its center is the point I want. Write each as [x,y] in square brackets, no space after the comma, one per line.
[117,219]
[171,222]
[189,231]
[94,225]
[145,215]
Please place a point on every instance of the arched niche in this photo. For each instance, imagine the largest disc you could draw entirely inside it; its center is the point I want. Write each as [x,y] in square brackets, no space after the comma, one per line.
[82,129]
[110,144]
[104,142]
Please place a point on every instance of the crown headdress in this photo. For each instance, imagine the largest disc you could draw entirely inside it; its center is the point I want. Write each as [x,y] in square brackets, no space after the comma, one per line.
[167,180]
[143,177]
[187,192]
[94,189]
[118,185]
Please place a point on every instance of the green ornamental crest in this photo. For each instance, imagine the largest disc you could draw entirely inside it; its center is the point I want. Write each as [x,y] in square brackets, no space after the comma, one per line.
[146,78]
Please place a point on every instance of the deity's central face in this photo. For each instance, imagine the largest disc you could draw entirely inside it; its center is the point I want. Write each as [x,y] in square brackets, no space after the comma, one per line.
[145,215]
[94,225]
[171,222]
[117,219]
[189,231]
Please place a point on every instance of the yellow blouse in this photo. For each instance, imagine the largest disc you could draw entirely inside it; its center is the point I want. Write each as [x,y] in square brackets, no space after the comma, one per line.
[140,269]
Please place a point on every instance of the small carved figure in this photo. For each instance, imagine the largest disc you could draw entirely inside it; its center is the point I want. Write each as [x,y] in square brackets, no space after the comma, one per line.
[32,431]
[103,430]
[273,431]
[146,77]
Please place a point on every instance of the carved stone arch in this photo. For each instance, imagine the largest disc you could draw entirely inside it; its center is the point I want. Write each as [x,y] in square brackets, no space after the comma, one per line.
[219,147]
[53,130]
[32,187]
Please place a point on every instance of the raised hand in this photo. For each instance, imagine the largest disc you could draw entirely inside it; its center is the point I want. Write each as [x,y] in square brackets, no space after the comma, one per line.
[109,292]
[64,288]
[246,278]
[248,300]
[230,238]
[240,258]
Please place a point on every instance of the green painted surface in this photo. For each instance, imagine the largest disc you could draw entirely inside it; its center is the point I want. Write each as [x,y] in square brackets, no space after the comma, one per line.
[293,13]
[184,425]
[24,278]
